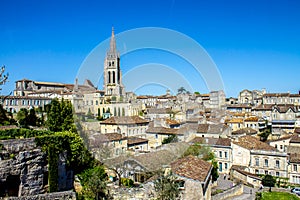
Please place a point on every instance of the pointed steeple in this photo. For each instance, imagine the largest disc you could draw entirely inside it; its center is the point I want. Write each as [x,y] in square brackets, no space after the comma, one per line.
[112,46]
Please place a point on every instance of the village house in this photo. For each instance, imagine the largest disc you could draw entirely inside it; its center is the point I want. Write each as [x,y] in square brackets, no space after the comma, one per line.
[281,98]
[222,150]
[127,126]
[195,177]
[107,145]
[281,144]
[294,168]
[141,167]
[213,130]
[156,135]
[283,117]
[259,157]
[263,111]
[243,132]
[251,97]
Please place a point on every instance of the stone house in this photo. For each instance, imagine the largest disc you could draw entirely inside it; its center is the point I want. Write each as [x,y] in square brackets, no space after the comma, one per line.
[127,126]
[281,144]
[195,176]
[281,98]
[243,132]
[294,168]
[213,130]
[239,173]
[222,149]
[156,135]
[259,157]
[263,111]
[137,144]
[283,117]
[251,122]
[143,166]
[235,123]
[107,145]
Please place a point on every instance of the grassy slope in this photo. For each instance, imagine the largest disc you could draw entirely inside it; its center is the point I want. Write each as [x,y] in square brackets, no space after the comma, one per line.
[278,196]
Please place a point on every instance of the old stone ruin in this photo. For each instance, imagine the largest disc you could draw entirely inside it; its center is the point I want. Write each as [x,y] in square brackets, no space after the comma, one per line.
[24,171]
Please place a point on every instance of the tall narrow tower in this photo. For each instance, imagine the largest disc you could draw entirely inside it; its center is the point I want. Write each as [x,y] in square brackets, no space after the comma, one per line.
[112,73]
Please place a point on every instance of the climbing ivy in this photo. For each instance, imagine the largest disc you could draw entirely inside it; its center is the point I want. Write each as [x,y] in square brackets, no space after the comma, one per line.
[22,133]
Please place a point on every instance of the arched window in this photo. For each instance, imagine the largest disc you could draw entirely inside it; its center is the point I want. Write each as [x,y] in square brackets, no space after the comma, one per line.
[108,77]
[114,77]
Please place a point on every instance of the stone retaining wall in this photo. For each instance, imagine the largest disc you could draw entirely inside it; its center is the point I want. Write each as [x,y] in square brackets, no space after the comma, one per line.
[68,195]
[235,190]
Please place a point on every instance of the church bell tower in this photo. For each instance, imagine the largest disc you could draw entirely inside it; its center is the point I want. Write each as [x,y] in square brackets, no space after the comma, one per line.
[112,73]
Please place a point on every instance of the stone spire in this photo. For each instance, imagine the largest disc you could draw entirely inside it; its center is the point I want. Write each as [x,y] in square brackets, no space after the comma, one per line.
[112,46]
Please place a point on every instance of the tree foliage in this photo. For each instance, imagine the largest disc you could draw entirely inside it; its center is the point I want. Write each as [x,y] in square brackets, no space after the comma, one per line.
[60,116]
[170,139]
[265,134]
[167,187]
[268,180]
[206,154]
[93,181]
[22,117]
[26,118]
[4,119]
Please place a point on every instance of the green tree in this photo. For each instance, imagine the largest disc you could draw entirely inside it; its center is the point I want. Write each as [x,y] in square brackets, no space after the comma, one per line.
[269,181]
[60,116]
[32,119]
[181,90]
[94,182]
[206,154]
[167,187]
[22,117]
[265,134]
[4,120]
[170,139]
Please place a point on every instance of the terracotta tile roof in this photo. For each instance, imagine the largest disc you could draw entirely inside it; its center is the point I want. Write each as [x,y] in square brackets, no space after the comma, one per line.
[162,130]
[27,97]
[212,141]
[295,138]
[211,128]
[276,95]
[265,107]
[247,131]
[294,95]
[172,122]
[284,108]
[295,157]
[99,138]
[238,106]
[251,119]
[280,139]
[253,143]
[136,140]
[155,160]
[125,120]
[235,120]
[245,172]
[192,167]
[297,130]
[159,111]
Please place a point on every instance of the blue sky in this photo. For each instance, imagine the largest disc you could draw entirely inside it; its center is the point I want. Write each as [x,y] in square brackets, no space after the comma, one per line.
[255,44]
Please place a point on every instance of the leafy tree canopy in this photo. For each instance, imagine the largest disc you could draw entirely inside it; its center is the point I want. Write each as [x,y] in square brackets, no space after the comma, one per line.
[60,116]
